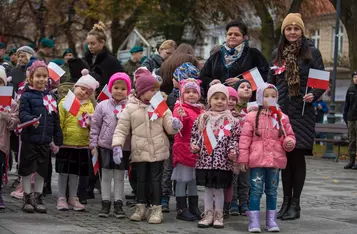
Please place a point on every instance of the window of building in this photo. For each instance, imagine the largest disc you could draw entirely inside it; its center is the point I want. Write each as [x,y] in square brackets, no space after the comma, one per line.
[340,41]
[315,37]
[215,41]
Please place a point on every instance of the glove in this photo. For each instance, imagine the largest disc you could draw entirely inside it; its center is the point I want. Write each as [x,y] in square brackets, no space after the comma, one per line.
[176,124]
[54,148]
[117,154]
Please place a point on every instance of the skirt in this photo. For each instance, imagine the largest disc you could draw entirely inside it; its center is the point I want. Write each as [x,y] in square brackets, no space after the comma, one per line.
[73,161]
[182,173]
[34,158]
[106,160]
[214,178]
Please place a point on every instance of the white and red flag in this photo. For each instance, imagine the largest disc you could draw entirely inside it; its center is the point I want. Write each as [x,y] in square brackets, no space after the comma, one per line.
[224,129]
[209,139]
[95,164]
[71,103]
[104,94]
[159,104]
[55,72]
[254,77]
[152,115]
[19,127]
[5,98]
[318,79]
[50,103]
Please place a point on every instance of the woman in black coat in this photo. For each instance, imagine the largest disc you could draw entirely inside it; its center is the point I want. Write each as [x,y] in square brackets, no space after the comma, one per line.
[234,58]
[292,60]
[98,56]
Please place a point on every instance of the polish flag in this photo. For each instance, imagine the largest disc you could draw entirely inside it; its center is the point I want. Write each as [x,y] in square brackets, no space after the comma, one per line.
[5,97]
[152,115]
[95,164]
[318,79]
[55,71]
[274,107]
[104,94]
[254,77]
[71,103]
[26,124]
[159,104]
[209,139]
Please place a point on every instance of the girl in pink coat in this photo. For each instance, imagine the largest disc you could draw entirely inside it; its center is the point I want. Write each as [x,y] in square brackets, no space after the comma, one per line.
[266,137]
[187,109]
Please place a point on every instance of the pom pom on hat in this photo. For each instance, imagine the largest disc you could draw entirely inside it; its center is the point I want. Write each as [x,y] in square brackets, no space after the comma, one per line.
[119,76]
[84,72]
[88,82]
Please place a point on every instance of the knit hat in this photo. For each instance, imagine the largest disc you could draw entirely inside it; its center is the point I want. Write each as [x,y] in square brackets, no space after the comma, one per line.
[136,49]
[45,42]
[88,82]
[3,76]
[354,74]
[36,64]
[144,81]
[190,83]
[185,71]
[12,51]
[260,92]
[67,51]
[233,93]
[26,49]
[294,19]
[236,86]
[217,88]
[59,62]
[119,76]
[75,66]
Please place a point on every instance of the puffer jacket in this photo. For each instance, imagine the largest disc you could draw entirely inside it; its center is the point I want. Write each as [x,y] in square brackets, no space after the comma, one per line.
[154,62]
[268,149]
[149,142]
[31,107]
[7,126]
[103,124]
[181,152]
[303,125]
[73,134]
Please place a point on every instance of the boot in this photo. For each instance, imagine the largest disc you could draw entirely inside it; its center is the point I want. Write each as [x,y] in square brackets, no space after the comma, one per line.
[293,211]
[182,212]
[352,161]
[207,219]
[156,216]
[254,221]
[165,201]
[193,207]
[243,209]
[28,207]
[284,207]
[38,203]
[234,209]
[226,209]
[218,219]
[2,205]
[104,212]
[118,210]
[139,213]
[271,224]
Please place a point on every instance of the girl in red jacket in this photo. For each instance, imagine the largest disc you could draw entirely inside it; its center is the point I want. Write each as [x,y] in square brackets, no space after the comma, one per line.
[187,109]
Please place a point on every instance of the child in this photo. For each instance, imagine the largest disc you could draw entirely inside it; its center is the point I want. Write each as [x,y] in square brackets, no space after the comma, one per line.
[149,144]
[270,134]
[214,169]
[72,160]
[103,124]
[187,110]
[36,139]
[8,122]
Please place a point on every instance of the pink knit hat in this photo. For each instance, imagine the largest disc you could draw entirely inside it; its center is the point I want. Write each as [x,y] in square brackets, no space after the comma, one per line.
[88,82]
[233,93]
[144,81]
[119,76]
[190,83]
[36,65]
[217,88]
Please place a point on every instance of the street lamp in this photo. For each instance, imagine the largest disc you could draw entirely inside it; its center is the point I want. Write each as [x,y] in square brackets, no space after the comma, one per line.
[40,18]
[331,118]
[71,13]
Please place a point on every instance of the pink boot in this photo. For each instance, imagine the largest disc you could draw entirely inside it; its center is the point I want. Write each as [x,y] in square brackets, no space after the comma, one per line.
[74,204]
[18,193]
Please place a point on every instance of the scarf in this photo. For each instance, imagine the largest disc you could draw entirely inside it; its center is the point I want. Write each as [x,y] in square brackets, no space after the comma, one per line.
[292,77]
[213,118]
[230,55]
[241,106]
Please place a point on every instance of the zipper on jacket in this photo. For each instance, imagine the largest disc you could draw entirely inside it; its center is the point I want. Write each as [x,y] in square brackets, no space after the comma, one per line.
[45,124]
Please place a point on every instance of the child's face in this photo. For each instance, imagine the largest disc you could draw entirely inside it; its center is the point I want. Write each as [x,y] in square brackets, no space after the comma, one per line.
[146,97]
[269,94]
[245,91]
[2,83]
[232,102]
[219,102]
[175,83]
[22,60]
[191,96]
[355,79]
[40,78]
[119,90]
[82,93]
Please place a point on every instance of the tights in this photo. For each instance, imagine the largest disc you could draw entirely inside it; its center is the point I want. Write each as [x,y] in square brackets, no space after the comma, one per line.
[218,199]
[107,176]
[180,190]
[26,183]
[72,180]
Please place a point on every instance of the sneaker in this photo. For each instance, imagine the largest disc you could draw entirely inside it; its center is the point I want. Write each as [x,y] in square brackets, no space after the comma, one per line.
[62,204]
[38,203]
[118,210]
[74,204]
[243,208]
[2,205]
[18,193]
[234,211]
[156,216]
[139,214]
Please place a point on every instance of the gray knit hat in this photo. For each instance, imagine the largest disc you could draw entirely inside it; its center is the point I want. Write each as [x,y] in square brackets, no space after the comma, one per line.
[26,49]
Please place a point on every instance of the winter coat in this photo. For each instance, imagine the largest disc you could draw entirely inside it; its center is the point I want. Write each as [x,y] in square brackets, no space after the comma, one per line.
[154,62]
[350,106]
[18,75]
[181,150]
[130,67]
[103,124]
[73,133]
[303,125]
[218,160]
[31,107]
[8,125]
[149,142]
[268,149]
[105,65]
[214,67]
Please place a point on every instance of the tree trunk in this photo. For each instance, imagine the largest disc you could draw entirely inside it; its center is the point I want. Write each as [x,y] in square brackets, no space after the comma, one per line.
[295,6]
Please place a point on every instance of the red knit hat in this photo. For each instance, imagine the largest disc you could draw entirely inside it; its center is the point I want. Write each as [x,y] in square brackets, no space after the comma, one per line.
[144,81]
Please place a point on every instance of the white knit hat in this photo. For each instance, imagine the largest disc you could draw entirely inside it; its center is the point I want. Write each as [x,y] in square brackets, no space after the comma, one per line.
[3,75]
[88,81]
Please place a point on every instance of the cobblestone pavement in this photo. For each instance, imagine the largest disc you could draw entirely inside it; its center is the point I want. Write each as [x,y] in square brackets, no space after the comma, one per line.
[328,206]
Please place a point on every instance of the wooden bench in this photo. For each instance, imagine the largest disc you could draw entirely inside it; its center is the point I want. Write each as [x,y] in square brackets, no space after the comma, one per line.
[338,129]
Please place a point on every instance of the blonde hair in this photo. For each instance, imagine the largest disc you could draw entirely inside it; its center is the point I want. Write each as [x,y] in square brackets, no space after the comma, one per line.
[98,30]
[168,44]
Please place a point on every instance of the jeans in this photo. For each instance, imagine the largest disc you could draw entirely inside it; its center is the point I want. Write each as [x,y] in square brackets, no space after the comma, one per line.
[259,177]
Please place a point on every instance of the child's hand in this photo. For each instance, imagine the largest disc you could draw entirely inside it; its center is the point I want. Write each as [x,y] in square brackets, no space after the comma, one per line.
[181,112]
[94,151]
[54,148]
[232,155]
[289,145]
[194,148]
[243,167]
[117,154]
[36,124]
[176,124]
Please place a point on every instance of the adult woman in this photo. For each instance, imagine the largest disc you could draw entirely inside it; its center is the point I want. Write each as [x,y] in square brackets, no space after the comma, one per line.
[183,54]
[234,58]
[166,49]
[293,58]
[98,56]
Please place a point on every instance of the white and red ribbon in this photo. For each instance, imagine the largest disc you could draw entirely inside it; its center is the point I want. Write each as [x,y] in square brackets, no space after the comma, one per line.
[278,69]
[5,108]
[224,129]
[83,120]
[50,103]
[118,110]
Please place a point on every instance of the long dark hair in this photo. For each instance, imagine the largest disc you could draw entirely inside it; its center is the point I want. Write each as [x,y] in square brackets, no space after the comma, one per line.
[281,132]
[304,51]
